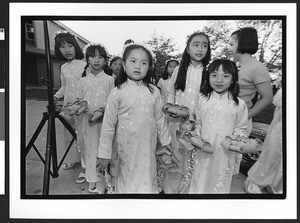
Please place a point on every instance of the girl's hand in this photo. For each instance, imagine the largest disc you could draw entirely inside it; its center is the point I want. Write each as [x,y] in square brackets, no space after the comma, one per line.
[177,111]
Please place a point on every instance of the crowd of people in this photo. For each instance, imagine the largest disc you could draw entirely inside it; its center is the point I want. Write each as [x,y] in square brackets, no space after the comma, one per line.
[185,134]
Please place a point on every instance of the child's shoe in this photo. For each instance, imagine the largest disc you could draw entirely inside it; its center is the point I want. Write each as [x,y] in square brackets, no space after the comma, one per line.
[250,187]
[93,188]
[81,178]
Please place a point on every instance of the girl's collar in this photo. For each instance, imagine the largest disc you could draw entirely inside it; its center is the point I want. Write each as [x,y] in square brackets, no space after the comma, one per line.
[197,66]
[135,83]
[71,61]
[97,75]
[214,94]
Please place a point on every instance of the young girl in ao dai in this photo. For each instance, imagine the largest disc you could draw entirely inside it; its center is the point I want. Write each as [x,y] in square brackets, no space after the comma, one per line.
[220,113]
[134,118]
[163,82]
[67,49]
[184,90]
[93,88]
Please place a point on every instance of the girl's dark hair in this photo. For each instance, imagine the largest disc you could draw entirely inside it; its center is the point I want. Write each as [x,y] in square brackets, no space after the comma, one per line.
[228,67]
[115,58]
[91,52]
[247,40]
[128,41]
[165,74]
[69,38]
[185,61]
[122,78]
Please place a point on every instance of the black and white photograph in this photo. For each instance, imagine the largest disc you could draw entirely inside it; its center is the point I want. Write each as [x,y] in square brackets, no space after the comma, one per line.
[177,152]
[126,108]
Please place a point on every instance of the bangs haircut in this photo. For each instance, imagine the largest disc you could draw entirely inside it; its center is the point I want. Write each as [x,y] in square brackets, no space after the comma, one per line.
[229,67]
[62,38]
[115,58]
[247,40]
[91,52]
[165,74]
[122,78]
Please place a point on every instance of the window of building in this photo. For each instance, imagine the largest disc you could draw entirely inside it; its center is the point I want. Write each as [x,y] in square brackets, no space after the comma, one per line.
[29,29]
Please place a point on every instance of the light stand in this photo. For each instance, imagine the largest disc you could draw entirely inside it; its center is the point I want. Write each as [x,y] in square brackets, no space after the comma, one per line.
[50,116]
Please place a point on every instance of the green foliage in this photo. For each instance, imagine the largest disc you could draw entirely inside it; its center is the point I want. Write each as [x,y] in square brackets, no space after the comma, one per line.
[219,31]
[164,49]
[269,38]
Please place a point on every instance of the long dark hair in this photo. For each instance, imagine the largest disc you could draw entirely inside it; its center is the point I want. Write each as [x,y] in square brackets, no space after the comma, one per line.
[91,51]
[228,67]
[165,74]
[122,78]
[66,37]
[185,61]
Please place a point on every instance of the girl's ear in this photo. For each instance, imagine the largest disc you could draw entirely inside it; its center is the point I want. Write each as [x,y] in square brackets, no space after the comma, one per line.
[123,64]
[187,49]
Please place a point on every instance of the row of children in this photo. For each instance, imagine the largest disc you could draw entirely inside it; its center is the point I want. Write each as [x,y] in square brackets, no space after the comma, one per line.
[157,136]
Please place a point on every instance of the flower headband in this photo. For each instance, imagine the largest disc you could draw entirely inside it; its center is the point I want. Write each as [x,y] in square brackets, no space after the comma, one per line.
[172,59]
[62,31]
[140,44]
[93,44]
[223,57]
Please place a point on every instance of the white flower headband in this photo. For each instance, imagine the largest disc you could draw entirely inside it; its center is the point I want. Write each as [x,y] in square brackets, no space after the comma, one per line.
[140,44]
[223,57]
[172,59]
[62,31]
[93,44]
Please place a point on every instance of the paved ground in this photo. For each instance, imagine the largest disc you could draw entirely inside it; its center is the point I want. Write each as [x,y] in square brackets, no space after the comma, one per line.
[65,184]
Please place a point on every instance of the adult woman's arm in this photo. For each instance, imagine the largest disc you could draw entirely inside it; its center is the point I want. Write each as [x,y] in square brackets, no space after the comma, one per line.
[266,97]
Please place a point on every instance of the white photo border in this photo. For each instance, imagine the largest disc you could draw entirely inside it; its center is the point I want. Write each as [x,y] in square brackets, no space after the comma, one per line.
[148,209]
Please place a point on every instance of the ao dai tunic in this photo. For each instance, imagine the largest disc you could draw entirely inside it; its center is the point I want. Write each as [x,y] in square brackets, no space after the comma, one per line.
[189,98]
[134,116]
[267,170]
[70,74]
[94,90]
[217,117]
[163,85]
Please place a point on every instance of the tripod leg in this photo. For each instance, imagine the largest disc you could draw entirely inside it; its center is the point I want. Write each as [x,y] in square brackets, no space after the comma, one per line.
[54,149]
[48,156]
[36,133]
[71,130]
[67,125]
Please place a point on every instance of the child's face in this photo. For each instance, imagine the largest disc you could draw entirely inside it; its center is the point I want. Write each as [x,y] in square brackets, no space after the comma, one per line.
[233,45]
[116,66]
[96,63]
[171,67]
[67,50]
[197,49]
[220,81]
[137,65]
